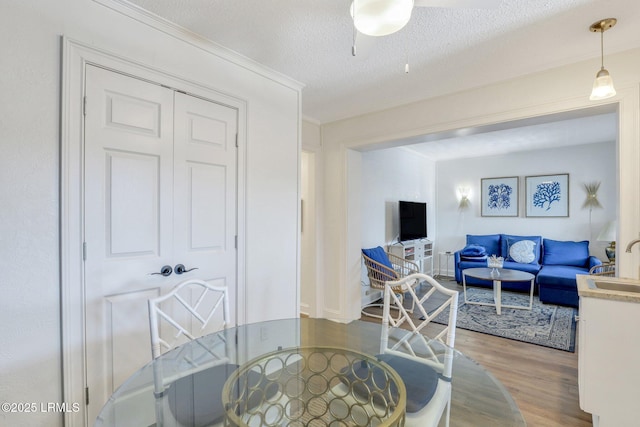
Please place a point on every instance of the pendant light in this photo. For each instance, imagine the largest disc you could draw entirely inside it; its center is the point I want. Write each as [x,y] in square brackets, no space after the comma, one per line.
[380,17]
[603,85]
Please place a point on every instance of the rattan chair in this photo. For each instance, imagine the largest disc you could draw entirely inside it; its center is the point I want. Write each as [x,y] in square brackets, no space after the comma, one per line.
[424,363]
[390,269]
[606,269]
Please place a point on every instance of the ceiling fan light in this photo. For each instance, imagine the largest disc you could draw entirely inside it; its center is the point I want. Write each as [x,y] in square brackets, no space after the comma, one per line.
[380,17]
[602,86]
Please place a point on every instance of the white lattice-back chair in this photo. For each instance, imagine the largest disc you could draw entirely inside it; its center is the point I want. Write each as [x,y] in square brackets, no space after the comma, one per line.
[192,309]
[384,267]
[424,363]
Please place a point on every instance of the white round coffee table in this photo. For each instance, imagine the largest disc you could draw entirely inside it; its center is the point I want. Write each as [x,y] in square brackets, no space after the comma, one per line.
[497,276]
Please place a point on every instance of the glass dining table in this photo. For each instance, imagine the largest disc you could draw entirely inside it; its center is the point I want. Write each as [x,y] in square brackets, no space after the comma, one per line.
[477,398]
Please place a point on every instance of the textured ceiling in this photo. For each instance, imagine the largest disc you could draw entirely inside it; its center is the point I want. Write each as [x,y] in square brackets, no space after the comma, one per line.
[449,49]
[522,137]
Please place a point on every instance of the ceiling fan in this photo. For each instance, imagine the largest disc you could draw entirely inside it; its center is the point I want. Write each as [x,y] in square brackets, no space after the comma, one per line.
[384,17]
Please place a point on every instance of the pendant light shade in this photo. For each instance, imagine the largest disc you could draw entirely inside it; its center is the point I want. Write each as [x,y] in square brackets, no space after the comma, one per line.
[603,85]
[380,17]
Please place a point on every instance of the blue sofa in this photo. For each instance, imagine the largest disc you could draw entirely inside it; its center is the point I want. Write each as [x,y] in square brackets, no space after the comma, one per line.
[554,263]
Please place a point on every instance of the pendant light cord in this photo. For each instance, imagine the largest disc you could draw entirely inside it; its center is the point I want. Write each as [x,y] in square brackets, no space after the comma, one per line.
[353,45]
[602,49]
[355,30]
[406,47]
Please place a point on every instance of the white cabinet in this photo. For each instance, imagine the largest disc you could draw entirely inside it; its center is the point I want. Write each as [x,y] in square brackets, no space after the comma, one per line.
[418,251]
[608,354]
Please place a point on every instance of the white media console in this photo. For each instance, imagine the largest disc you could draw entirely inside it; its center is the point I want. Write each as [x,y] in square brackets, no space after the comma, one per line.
[418,251]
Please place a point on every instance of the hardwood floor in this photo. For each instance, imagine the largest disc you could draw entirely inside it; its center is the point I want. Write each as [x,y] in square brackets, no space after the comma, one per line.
[542,381]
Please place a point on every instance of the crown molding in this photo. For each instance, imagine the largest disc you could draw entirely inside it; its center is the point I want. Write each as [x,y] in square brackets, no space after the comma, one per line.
[172,29]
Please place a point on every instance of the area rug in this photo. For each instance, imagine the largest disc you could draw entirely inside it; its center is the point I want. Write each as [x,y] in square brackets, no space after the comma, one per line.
[545,324]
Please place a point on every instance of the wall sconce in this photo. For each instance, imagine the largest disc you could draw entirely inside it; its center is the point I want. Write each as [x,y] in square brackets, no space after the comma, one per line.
[463,194]
[592,196]
[603,85]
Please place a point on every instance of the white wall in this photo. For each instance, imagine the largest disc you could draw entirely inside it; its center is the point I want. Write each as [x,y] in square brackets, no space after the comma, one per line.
[31,30]
[388,176]
[583,163]
[558,90]
[311,136]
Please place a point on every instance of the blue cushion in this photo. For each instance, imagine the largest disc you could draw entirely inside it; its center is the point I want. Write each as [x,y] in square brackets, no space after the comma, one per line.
[522,251]
[508,239]
[482,258]
[196,399]
[363,377]
[378,255]
[490,242]
[473,250]
[566,253]
[557,284]
[420,380]
[593,261]
[529,268]
[472,263]
[559,276]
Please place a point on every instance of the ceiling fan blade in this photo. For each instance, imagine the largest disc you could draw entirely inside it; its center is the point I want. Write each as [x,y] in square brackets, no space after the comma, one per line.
[467,4]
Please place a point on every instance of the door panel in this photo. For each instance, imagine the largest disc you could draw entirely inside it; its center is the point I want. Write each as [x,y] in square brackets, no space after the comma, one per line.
[132,114]
[207,130]
[205,197]
[132,196]
[128,218]
[124,316]
[207,207]
[159,189]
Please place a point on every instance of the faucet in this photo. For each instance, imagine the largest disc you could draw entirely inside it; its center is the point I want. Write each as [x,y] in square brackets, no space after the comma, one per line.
[631,243]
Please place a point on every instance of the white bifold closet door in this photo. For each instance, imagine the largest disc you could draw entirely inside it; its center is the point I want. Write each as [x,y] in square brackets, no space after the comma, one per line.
[159,190]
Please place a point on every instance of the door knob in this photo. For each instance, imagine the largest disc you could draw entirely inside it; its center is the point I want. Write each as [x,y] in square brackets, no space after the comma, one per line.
[180,268]
[166,270]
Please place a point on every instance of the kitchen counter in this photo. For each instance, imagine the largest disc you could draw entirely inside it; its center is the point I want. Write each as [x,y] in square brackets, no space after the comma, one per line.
[609,349]
[613,288]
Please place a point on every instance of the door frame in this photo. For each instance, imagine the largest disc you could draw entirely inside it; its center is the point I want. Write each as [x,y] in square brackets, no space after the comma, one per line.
[309,213]
[75,56]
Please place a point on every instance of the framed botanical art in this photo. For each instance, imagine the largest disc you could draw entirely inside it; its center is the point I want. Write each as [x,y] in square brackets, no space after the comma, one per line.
[547,195]
[499,196]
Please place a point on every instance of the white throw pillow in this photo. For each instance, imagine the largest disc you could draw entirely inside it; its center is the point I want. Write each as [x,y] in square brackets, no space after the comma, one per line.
[522,251]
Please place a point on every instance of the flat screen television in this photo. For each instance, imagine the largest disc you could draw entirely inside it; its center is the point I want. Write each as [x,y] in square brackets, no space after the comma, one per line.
[413,220]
